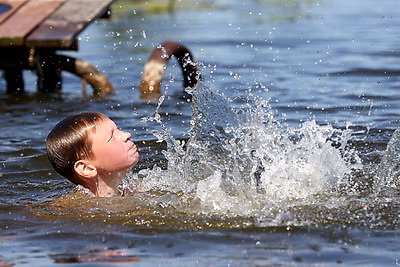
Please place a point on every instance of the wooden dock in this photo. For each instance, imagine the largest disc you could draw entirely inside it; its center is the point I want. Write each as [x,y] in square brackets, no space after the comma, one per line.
[31,33]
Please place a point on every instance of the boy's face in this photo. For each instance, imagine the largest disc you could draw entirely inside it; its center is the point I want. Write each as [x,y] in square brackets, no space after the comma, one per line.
[112,148]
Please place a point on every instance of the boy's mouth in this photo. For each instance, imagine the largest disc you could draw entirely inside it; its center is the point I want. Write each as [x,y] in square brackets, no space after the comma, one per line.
[133,150]
[133,146]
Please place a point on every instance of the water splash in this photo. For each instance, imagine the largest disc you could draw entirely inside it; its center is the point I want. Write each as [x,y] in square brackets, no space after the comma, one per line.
[388,170]
[244,163]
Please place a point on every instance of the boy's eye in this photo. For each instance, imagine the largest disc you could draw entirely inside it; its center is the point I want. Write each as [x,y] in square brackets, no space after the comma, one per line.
[112,135]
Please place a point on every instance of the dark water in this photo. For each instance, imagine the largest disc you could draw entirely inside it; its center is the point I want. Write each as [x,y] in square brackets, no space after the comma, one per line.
[334,63]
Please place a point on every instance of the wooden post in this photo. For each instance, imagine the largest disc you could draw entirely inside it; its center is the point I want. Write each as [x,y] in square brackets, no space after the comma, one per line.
[48,73]
[14,80]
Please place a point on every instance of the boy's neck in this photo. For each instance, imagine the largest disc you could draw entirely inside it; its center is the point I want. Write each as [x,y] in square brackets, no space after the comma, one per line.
[106,191]
[106,185]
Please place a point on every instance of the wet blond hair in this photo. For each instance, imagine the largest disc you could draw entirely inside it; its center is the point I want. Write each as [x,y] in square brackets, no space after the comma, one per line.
[69,141]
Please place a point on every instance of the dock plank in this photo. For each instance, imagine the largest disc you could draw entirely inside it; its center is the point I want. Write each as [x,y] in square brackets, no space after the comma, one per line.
[63,26]
[24,20]
[13,5]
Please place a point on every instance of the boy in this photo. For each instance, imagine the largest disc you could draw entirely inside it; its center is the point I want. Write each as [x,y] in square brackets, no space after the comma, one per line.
[89,150]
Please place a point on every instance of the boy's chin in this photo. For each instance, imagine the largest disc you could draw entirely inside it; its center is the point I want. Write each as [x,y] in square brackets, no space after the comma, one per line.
[135,157]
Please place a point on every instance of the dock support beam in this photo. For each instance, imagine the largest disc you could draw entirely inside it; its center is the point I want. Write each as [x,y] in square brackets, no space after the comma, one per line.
[48,66]
[14,80]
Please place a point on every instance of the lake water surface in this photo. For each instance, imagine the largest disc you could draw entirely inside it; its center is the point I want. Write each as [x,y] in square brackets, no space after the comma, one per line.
[307,96]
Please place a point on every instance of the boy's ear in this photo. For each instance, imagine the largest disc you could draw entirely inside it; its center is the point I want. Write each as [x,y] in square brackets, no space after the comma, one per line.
[85,169]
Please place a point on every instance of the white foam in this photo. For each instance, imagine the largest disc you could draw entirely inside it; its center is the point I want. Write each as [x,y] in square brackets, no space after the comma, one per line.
[242,165]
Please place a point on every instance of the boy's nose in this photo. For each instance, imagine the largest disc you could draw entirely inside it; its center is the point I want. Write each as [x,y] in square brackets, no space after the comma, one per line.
[127,136]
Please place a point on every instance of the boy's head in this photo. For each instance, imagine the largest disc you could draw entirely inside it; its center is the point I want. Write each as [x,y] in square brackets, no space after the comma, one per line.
[87,145]
[69,142]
